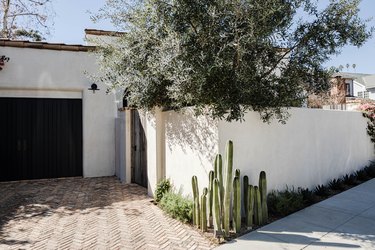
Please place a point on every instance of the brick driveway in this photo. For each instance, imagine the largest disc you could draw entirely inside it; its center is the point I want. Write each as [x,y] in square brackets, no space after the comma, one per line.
[92,213]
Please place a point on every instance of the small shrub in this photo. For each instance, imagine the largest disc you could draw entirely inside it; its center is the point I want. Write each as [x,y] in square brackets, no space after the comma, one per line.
[349,180]
[285,202]
[163,187]
[362,175]
[336,184]
[322,191]
[370,170]
[308,196]
[177,206]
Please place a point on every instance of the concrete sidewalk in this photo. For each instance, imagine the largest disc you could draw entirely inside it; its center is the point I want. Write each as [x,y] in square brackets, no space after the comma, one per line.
[345,221]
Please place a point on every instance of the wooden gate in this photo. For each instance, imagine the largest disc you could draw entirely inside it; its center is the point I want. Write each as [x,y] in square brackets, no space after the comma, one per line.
[138,150]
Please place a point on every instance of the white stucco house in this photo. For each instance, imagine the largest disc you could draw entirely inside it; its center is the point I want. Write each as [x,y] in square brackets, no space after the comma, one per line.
[53,123]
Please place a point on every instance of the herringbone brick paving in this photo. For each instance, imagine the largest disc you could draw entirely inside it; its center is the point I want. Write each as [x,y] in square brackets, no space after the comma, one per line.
[88,213]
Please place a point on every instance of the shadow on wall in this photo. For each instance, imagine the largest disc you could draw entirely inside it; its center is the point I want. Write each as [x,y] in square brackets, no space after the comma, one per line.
[190,133]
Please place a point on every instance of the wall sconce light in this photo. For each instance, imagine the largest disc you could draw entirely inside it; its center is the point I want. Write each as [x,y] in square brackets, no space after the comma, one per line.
[94,87]
[3,59]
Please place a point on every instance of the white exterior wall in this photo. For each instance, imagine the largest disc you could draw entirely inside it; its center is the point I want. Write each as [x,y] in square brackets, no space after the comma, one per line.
[61,74]
[312,148]
[191,145]
[358,88]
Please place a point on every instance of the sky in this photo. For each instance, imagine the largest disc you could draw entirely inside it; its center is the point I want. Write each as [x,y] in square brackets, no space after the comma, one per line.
[73,16]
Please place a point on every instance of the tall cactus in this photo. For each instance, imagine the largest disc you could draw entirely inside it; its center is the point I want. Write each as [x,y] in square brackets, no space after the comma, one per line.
[196,208]
[263,195]
[210,196]
[250,205]
[258,218]
[245,184]
[228,186]
[219,176]
[204,210]
[236,204]
[216,208]
[237,173]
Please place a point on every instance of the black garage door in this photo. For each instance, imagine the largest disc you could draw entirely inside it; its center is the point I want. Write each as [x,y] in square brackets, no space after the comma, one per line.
[40,138]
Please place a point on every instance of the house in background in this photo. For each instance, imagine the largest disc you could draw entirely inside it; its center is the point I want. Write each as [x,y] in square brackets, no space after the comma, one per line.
[348,91]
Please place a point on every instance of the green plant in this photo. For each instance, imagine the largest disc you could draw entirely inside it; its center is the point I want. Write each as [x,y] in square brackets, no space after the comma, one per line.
[246,196]
[204,210]
[225,57]
[210,194]
[196,208]
[258,217]
[236,204]
[308,196]
[162,187]
[370,170]
[228,186]
[250,205]
[177,206]
[336,184]
[216,208]
[263,195]
[282,203]
[219,175]
[362,175]
[322,191]
[349,179]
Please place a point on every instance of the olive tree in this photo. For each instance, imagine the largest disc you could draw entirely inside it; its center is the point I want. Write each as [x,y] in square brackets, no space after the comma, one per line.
[224,57]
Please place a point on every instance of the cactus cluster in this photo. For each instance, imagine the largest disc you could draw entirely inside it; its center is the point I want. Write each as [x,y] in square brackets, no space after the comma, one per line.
[222,202]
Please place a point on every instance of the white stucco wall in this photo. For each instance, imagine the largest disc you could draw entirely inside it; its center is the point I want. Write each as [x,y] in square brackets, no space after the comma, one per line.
[312,148]
[190,145]
[358,88]
[61,74]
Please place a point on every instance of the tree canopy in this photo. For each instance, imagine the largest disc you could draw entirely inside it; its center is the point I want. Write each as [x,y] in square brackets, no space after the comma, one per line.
[225,57]
[25,18]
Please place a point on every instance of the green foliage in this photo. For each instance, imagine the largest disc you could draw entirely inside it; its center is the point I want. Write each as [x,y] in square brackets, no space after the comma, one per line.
[225,57]
[349,179]
[162,187]
[336,184]
[308,196]
[322,191]
[177,206]
[370,170]
[285,202]
[362,175]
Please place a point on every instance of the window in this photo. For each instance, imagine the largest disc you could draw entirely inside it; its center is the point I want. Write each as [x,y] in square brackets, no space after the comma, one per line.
[366,95]
[360,94]
[348,89]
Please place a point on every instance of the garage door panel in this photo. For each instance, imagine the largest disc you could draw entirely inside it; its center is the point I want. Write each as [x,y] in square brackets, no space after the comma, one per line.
[50,134]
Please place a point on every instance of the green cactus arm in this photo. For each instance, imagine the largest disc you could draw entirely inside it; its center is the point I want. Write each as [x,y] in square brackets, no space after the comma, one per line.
[210,192]
[236,204]
[263,194]
[245,184]
[250,205]
[228,186]
[216,206]
[204,210]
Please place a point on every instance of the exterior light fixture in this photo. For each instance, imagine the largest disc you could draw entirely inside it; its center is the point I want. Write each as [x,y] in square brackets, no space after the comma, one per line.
[94,87]
[3,59]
